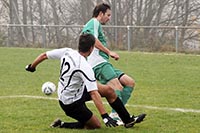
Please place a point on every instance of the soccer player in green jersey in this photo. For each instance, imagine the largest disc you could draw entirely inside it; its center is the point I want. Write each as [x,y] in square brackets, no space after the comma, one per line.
[105,73]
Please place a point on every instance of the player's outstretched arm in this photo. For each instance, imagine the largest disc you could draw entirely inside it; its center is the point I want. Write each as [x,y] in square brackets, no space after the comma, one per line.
[32,67]
[109,122]
[100,46]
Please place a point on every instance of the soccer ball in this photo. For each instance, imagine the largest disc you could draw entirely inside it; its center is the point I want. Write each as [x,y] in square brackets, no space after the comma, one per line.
[48,88]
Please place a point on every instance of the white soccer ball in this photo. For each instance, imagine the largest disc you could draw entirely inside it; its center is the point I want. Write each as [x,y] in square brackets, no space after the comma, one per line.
[48,88]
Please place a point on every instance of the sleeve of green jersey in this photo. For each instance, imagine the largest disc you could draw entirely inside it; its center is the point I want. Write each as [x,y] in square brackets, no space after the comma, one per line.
[92,27]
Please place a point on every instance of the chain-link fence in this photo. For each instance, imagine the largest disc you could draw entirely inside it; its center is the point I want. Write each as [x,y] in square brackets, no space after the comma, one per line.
[131,38]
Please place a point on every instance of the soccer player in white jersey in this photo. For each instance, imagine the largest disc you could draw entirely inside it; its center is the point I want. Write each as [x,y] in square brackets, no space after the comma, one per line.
[105,73]
[77,85]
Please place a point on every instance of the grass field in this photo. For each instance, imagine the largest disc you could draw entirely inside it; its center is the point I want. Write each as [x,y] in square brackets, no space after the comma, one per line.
[167,89]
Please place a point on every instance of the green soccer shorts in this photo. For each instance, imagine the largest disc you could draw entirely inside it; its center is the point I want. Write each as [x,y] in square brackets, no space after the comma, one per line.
[105,72]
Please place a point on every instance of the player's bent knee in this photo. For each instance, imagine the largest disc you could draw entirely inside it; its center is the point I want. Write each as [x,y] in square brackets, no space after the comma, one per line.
[98,126]
[127,81]
[132,82]
[93,123]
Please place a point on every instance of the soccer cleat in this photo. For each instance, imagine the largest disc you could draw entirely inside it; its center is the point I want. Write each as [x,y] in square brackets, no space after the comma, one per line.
[135,119]
[56,123]
[116,117]
[130,123]
[139,118]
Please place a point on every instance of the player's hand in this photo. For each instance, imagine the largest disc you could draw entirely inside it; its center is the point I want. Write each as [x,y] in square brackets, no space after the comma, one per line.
[114,55]
[109,122]
[29,68]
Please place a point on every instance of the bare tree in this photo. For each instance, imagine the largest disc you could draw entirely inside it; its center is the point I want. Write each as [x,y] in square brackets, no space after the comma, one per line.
[31,20]
[11,16]
[25,15]
[56,21]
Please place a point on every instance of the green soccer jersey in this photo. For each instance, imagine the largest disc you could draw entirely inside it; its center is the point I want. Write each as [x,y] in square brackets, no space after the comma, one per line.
[94,27]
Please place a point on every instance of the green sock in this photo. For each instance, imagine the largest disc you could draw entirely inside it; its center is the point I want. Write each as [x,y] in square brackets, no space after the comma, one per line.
[118,93]
[126,94]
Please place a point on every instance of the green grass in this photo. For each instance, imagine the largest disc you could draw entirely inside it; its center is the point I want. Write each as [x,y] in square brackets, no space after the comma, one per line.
[164,81]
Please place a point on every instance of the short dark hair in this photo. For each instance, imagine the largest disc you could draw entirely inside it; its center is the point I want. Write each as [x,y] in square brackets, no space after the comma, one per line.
[102,7]
[86,41]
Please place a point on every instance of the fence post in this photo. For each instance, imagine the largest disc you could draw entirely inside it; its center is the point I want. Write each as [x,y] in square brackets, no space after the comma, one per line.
[8,39]
[128,39]
[44,36]
[176,30]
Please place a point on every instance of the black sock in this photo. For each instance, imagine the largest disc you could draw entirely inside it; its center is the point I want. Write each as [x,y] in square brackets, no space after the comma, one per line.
[118,106]
[72,125]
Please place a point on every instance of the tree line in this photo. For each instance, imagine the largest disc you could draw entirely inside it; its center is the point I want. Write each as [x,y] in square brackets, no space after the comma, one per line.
[78,12]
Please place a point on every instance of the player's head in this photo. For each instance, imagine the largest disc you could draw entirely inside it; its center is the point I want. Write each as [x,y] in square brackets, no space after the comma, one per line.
[102,12]
[86,43]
